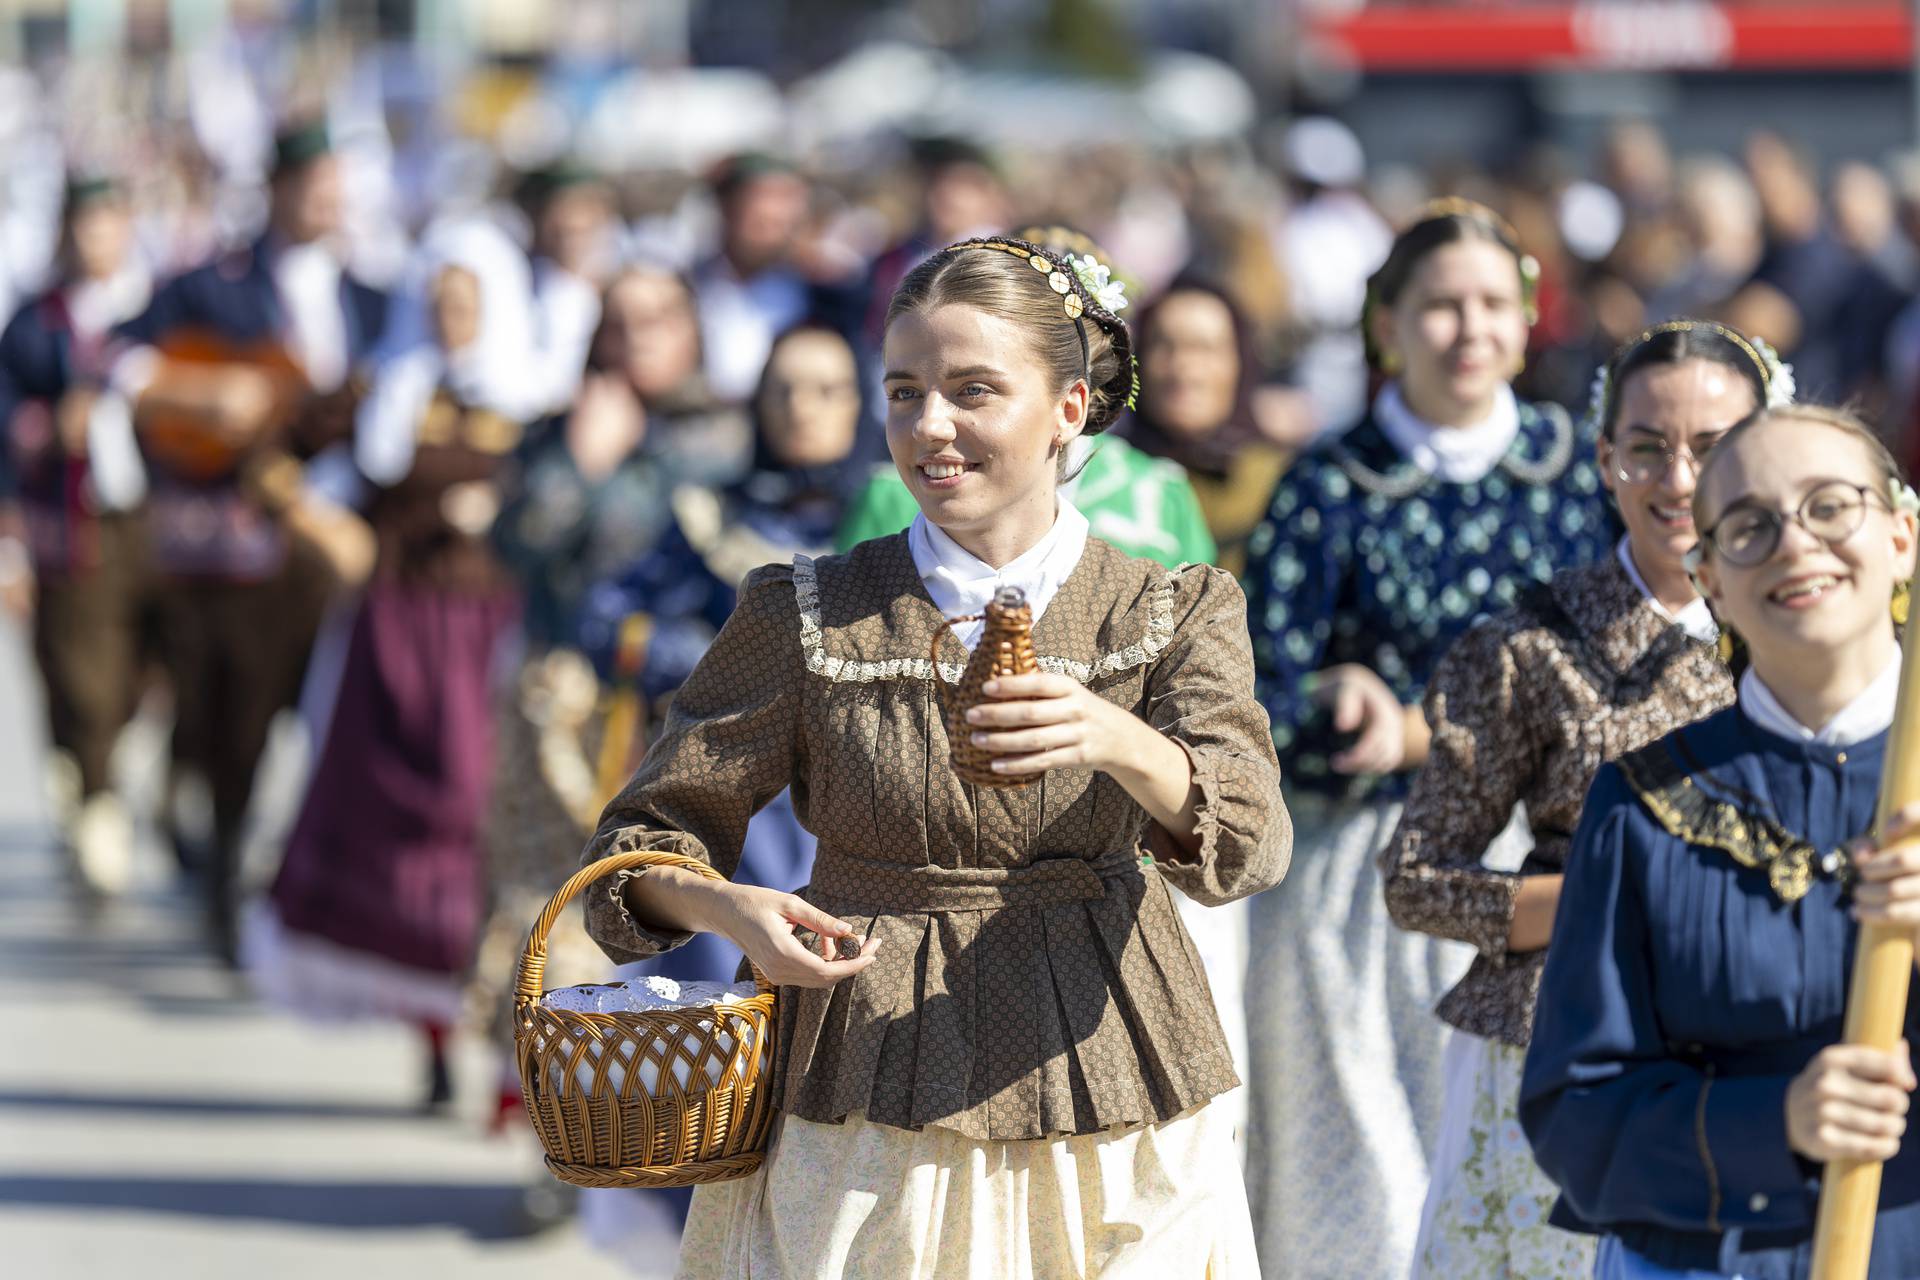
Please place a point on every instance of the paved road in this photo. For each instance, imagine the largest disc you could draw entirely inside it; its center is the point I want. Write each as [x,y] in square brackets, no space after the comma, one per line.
[155,1122]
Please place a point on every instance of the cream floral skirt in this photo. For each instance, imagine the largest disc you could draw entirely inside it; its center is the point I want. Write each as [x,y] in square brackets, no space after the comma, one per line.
[1486,1212]
[1162,1202]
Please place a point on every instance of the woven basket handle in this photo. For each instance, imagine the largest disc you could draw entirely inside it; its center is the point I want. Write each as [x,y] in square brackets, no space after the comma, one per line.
[533,959]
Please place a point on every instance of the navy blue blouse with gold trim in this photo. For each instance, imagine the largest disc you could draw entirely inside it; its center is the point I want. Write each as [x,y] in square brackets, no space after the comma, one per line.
[1700,958]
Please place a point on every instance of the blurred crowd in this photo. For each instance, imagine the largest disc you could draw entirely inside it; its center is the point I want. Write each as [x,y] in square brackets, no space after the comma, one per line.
[546,414]
[1814,253]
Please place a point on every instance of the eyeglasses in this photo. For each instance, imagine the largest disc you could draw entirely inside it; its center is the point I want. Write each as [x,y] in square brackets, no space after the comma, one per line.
[1646,460]
[1747,536]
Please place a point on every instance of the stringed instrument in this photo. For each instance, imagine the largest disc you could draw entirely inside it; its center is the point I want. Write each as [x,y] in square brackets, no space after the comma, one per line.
[194,445]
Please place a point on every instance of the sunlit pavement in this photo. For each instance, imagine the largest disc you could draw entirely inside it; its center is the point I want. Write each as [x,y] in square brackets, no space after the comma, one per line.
[155,1121]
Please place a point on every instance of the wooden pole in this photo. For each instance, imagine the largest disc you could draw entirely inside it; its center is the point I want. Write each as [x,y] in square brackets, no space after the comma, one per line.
[1876,1013]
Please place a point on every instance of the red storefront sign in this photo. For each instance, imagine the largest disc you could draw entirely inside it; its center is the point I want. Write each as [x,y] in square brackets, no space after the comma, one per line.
[1598,35]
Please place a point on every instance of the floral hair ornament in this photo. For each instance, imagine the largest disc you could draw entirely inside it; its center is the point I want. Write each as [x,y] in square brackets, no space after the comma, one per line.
[1776,375]
[1097,277]
[1901,497]
[1087,291]
[1781,387]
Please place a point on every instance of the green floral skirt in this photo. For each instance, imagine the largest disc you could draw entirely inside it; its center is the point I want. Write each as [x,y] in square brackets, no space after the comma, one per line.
[1486,1210]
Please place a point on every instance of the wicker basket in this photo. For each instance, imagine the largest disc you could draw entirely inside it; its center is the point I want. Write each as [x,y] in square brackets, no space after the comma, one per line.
[603,1132]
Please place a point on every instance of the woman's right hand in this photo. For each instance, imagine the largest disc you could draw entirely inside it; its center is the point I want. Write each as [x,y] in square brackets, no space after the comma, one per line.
[607,423]
[1362,703]
[761,922]
[1850,1103]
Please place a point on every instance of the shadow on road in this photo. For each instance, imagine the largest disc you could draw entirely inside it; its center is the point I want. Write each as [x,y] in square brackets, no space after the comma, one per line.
[483,1211]
[163,1104]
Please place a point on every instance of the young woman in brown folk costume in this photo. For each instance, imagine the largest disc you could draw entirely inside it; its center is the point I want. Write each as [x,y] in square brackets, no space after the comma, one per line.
[1011,1077]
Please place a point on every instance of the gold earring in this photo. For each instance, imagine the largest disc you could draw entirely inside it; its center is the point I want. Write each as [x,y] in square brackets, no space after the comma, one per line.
[1390,363]
[1902,602]
[1725,645]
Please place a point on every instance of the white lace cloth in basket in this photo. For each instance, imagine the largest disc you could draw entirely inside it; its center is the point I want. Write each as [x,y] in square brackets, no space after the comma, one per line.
[638,996]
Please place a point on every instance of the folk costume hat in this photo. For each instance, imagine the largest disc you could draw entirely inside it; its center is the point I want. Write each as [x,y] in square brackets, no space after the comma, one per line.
[88,187]
[1088,293]
[539,186]
[299,145]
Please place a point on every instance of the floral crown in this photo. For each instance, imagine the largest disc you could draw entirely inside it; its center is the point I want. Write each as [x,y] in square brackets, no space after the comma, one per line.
[1776,375]
[1087,291]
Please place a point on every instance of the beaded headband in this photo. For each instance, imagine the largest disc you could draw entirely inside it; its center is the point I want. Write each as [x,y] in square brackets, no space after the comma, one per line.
[1776,375]
[1087,292]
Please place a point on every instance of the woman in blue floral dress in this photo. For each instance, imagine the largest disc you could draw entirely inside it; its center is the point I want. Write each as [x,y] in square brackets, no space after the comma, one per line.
[1380,548]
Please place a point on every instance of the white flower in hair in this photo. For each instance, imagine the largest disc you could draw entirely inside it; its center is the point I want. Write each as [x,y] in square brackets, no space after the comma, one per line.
[1597,399]
[1099,282]
[1902,496]
[1780,384]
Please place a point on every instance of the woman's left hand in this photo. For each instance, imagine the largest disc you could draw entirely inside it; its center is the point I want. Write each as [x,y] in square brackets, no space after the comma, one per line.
[1888,891]
[1040,722]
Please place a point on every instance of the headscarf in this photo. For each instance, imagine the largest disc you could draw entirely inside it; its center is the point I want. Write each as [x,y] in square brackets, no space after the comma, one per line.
[807,499]
[1213,453]
[495,371]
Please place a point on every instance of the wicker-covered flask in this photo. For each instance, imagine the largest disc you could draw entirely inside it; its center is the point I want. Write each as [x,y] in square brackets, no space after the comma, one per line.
[1005,649]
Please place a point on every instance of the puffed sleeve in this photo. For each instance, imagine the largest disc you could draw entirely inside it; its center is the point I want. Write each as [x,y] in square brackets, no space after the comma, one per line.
[1200,694]
[1297,566]
[1483,757]
[731,743]
[1631,1133]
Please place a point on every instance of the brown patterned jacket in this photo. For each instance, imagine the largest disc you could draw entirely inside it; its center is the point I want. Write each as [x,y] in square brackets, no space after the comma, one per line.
[1035,979]
[1525,708]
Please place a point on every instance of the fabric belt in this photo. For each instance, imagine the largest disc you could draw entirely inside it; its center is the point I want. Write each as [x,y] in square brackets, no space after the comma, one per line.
[891,887]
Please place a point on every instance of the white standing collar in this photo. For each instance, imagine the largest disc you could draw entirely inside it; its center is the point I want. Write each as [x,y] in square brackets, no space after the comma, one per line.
[1696,619]
[1458,455]
[1870,712]
[961,583]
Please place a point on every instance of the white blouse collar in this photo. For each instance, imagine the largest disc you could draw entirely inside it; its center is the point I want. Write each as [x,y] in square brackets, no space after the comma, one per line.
[95,306]
[961,583]
[1870,712]
[1458,455]
[1696,619]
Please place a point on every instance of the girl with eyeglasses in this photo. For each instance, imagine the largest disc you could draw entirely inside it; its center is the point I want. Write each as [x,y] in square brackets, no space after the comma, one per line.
[1524,708]
[1684,1085]
[1378,550]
